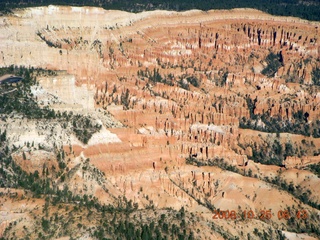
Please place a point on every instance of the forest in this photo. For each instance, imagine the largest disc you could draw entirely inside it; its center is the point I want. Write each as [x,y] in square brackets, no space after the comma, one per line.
[309,10]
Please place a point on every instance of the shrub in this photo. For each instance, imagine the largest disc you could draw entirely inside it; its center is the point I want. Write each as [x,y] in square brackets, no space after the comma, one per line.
[273,64]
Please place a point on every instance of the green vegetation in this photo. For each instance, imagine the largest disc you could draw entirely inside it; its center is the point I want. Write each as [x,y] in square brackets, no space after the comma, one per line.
[125,99]
[18,99]
[271,151]
[170,224]
[315,168]
[84,127]
[269,234]
[273,64]
[186,80]
[302,194]
[118,220]
[193,81]
[48,42]
[276,149]
[218,162]
[308,225]
[304,9]
[221,79]
[155,77]
[121,220]
[316,76]
[293,76]
[298,124]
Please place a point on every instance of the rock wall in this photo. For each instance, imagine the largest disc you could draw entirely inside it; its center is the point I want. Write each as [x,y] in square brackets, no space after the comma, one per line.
[180,74]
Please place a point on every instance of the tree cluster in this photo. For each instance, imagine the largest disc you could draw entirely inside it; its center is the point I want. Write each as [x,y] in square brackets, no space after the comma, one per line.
[303,9]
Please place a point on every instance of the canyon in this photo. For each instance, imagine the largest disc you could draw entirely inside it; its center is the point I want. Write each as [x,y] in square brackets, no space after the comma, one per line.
[196,110]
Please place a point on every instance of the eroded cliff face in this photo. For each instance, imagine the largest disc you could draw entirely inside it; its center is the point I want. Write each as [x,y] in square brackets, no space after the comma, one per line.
[201,86]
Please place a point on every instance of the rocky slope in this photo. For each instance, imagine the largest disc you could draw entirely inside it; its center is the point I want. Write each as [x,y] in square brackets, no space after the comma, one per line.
[214,110]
